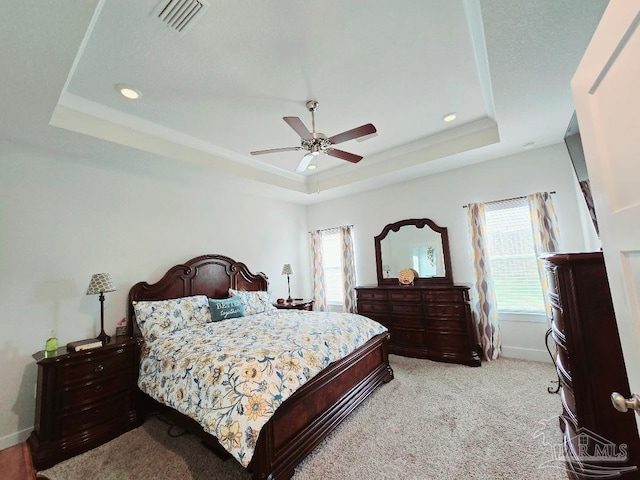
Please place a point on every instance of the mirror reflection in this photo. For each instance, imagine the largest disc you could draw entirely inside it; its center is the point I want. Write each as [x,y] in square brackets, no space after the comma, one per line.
[413,247]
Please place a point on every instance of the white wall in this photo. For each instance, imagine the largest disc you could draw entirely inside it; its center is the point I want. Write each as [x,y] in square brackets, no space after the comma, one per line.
[63,219]
[441,198]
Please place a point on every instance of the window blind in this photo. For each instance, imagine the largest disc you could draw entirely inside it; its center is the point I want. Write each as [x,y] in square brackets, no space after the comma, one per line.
[512,256]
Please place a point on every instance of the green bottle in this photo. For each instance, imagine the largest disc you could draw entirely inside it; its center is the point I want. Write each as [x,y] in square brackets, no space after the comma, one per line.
[51,345]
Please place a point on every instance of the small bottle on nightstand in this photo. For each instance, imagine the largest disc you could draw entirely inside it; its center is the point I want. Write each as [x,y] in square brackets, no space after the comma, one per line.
[51,345]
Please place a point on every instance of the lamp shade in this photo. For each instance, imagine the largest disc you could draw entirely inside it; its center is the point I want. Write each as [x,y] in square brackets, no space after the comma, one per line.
[100,283]
[287,270]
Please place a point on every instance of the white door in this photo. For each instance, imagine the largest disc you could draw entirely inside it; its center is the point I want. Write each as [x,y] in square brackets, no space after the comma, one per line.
[606,92]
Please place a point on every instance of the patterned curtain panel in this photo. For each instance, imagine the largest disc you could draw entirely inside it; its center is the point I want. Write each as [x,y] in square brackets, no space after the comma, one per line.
[545,235]
[320,300]
[585,186]
[486,308]
[348,269]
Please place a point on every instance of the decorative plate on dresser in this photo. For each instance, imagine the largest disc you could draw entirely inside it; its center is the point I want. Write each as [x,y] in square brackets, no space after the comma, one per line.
[406,276]
[426,314]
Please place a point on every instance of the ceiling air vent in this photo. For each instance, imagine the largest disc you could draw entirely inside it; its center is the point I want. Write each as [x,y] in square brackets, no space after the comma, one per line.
[180,15]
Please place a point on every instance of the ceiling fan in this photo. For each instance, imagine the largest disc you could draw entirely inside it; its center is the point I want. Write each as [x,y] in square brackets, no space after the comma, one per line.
[316,143]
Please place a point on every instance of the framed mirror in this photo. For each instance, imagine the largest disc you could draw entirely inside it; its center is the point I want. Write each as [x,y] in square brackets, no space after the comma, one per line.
[417,244]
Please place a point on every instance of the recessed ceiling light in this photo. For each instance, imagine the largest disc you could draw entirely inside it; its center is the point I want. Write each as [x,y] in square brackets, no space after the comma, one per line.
[311,167]
[449,117]
[128,91]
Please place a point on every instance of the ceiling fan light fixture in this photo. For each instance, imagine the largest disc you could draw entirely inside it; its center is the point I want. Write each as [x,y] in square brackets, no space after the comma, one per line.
[315,150]
[128,91]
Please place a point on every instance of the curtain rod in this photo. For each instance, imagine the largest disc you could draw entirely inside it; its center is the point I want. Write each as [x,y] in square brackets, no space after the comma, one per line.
[329,229]
[507,199]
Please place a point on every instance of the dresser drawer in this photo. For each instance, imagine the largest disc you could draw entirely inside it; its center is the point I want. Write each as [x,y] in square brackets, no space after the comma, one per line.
[109,410]
[101,388]
[407,337]
[451,310]
[372,307]
[455,324]
[446,341]
[98,366]
[372,295]
[453,296]
[404,296]
[406,309]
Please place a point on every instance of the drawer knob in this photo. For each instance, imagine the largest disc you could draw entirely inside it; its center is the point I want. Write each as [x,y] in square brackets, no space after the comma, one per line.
[99,368]
[623,405]
[119,351]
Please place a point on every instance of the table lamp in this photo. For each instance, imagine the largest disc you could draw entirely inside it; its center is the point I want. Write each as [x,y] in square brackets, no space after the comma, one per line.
[99,284]
[286,270]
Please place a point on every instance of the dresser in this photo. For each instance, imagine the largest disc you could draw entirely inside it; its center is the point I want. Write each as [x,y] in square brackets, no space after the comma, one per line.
[590,367]
[83,400]
[428,321]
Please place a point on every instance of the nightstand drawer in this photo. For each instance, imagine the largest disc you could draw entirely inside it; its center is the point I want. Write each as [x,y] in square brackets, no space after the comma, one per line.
[90,391]
[110,410]
[97,366]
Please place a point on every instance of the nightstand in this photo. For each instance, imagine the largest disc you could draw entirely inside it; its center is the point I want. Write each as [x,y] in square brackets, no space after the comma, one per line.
[83,400]
[296,304]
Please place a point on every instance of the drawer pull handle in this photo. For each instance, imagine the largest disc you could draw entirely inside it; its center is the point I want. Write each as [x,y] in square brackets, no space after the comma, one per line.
[96,412]
[99,388]
[120,350]
[99,368]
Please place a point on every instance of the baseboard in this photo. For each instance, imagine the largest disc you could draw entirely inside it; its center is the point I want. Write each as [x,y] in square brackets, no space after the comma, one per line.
[526,354]
[15,438]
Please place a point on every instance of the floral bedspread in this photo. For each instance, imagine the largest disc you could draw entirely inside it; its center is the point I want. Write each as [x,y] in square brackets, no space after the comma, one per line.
[230,376]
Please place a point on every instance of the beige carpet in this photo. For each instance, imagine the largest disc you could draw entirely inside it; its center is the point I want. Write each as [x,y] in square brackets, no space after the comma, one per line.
[433,421]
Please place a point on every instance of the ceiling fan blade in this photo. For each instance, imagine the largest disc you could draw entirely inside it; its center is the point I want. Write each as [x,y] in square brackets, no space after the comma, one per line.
[349,157]
[299,127]
[358,132]
[304,163]
[274,150]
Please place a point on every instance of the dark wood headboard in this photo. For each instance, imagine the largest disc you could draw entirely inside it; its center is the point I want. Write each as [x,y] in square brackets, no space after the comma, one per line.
[210,275]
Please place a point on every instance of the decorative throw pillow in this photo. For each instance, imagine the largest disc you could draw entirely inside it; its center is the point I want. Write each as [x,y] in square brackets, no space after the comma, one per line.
[226,308]
[253,302]
[164,317]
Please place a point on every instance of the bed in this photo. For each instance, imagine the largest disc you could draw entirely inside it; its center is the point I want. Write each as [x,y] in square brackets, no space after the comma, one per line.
[308,414]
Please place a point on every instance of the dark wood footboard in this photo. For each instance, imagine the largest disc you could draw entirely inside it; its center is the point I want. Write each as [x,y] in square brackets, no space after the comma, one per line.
[314,411]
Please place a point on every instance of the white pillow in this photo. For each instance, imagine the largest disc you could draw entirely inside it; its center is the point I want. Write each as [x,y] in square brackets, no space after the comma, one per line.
[163,317]
[254,302]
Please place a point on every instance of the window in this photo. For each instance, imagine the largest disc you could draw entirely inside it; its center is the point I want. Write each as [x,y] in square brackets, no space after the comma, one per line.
[332,265]
[513,259]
